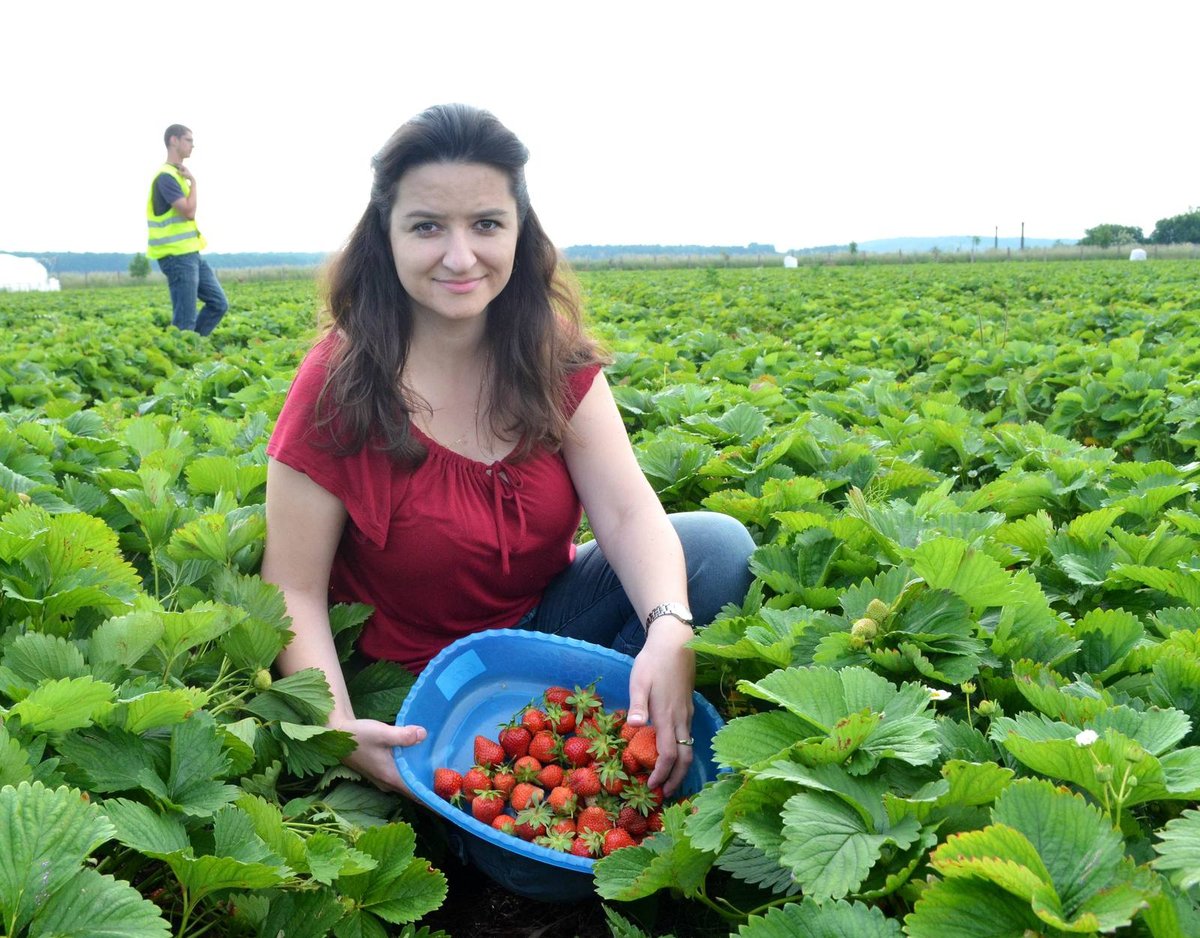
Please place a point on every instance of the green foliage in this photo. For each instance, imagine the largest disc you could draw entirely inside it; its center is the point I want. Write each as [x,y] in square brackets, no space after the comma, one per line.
[139,267]
[1178,229]
[1104,236]
[969,661]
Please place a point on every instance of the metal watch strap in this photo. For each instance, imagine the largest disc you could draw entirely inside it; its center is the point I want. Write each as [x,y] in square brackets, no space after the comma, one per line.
[678,610]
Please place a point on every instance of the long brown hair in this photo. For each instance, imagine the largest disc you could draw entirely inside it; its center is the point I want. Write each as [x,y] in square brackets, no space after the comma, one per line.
[533,333]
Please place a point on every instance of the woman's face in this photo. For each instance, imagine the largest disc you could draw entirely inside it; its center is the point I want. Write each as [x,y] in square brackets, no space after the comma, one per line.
[453,231]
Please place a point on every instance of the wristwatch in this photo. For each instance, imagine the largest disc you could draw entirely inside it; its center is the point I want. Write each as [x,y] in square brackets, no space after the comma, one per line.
[678,610]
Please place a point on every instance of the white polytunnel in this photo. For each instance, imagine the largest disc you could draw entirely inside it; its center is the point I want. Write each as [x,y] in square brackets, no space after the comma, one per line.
[24,273]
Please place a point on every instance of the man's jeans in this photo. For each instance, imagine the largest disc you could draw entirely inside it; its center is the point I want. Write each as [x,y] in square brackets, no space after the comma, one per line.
[190,278]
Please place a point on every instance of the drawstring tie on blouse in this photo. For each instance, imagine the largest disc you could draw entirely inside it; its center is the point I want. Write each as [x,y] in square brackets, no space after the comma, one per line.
[506,486]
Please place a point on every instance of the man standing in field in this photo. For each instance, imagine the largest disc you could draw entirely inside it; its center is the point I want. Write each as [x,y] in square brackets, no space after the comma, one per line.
[175,241]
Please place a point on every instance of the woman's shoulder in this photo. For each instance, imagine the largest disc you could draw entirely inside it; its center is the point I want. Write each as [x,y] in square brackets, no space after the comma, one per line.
[579,382]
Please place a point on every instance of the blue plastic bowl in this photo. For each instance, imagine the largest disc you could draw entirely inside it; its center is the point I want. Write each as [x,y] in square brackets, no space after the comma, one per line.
[473,687]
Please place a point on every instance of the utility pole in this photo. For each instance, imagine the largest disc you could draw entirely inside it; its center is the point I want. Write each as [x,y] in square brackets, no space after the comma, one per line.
[996,240]
[1022,236]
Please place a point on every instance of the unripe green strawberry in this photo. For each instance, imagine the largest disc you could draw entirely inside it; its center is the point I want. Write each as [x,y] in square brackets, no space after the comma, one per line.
[878,610]
[262,679]
[865,628]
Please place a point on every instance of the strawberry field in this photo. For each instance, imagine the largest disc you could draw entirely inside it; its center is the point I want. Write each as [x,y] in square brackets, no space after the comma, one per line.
[962,697]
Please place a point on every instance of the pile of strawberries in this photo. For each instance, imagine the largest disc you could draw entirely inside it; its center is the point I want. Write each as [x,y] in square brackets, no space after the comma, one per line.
[565,774]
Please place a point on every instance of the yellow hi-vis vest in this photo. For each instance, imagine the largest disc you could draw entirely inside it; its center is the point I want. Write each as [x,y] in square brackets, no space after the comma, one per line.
[171,233]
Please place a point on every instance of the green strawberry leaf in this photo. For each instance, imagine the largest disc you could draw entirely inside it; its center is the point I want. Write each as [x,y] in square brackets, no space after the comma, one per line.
[144,829]
[401,887]
[758,738]
[57,706]
[829,847]
[94,906]
[665,860]
[35,657]
[47,834]
[969,908]
[810,919]
[119,643]
[950,564]
[1178,850]
[161,708]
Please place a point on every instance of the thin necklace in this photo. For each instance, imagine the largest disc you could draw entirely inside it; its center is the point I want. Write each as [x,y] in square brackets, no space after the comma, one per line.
[461,441]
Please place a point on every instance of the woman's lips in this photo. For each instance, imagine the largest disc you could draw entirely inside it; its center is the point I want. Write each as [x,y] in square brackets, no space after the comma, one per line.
[460,286]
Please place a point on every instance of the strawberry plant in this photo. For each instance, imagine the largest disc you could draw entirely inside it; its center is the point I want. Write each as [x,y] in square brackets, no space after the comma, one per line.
[969,661]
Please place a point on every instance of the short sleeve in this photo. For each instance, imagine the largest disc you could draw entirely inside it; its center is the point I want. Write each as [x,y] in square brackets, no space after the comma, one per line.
[361,481]
[578,384]
[168,188]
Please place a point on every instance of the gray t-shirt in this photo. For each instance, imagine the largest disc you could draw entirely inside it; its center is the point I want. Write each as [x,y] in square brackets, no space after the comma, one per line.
[166,192]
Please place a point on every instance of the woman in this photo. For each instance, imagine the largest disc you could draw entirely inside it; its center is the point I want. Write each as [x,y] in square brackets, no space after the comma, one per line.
[439,441]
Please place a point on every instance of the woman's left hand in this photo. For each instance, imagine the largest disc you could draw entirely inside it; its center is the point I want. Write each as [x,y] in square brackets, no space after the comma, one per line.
[660,692]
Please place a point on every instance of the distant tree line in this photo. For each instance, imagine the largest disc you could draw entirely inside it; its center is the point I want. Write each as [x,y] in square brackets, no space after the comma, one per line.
[599,252]
[1178,229]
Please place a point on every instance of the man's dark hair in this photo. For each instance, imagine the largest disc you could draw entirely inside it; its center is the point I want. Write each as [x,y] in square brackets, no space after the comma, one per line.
[175,130]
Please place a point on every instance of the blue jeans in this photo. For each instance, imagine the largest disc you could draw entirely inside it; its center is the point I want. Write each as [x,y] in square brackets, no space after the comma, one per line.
[586,601]
[190,278]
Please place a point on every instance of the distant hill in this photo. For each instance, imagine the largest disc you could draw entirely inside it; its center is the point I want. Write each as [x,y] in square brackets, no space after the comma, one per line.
[64,262]
[952,243]
[603,252]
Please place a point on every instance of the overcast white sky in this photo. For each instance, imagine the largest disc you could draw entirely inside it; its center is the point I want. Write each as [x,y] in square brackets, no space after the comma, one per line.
[790,123]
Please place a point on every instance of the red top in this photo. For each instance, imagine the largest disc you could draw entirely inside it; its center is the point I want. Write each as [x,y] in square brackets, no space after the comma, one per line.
[450,548]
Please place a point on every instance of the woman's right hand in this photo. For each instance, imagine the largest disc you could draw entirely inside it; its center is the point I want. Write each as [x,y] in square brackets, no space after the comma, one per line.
[373,757]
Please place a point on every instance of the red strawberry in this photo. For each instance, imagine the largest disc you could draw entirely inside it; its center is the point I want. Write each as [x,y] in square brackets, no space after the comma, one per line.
[488,752]
[628,731]
[533,821]
[562,719]
[504,782]
[577,751]
[583,781]
[616,839]
[583,700]
[556,696]
[534,720]
[563,800]
[551,776]
[654,822]
[544,747]
[590,726]
[524,795]
[632,820]
[447,784]
[556,840]
[581,848]
[476,780]
[505,824]
[601,746]
[612,776]
[526,768]
[644,747]
[629,762]
[564,825]
[487,805]
[515,740]
[593,819]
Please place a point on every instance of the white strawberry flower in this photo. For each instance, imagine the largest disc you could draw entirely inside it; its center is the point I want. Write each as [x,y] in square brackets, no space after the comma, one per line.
[1086,737]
